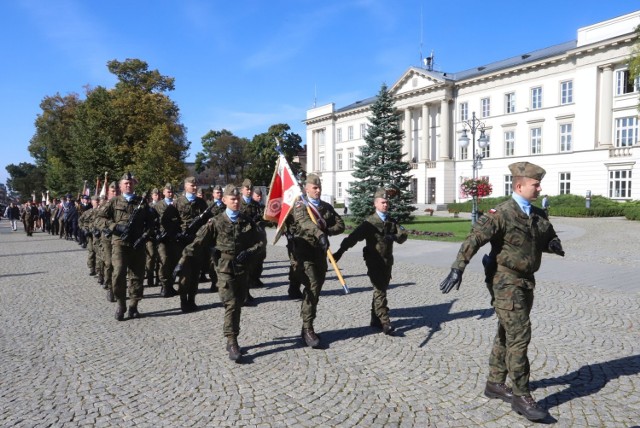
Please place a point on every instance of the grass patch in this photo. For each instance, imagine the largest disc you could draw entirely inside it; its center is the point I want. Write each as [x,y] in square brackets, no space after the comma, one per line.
[425,227]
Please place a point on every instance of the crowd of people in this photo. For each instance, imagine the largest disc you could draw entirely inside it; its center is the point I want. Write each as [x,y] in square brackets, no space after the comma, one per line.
[167,239]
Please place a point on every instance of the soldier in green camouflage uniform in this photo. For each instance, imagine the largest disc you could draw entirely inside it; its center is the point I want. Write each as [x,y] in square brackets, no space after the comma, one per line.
[151,247]
[85,222]
[252,209]
[238,241]
[311,244]
[101,224]
[169,226]
[379,231]
[189,206]
[519,233]
[216,206]
[127,217]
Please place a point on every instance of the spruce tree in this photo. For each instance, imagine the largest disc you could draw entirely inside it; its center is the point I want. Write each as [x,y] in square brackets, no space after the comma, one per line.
[380,164]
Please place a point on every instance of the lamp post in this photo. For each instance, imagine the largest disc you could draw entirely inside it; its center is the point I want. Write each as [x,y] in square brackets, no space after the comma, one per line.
[474,125]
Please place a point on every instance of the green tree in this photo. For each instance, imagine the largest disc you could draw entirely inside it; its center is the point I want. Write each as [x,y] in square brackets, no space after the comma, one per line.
[262,153]
[51,146]
[25,179]
[223,153]
[634,61]
[380,164]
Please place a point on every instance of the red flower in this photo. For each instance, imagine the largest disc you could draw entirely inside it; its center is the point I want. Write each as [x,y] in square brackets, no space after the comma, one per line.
[476,187]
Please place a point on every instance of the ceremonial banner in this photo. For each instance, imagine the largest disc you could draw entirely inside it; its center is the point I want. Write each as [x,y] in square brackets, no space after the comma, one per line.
[283,192]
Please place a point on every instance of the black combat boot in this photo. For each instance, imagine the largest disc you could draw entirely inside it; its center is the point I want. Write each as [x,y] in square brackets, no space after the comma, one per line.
[133,312]
[294,291]
[498,390]
[526,406]
[388,328]
[310,338]
[150,281]
[184,304]
[120,310]
[100,279]
[110,296]
[191,301]
[92,272]
[375,321]
[214,287]
[233,348]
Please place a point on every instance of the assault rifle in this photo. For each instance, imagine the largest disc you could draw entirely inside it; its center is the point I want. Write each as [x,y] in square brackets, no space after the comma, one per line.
[189,233]
[125,231]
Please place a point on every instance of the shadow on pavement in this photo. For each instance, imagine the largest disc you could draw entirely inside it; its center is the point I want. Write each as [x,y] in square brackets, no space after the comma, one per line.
[587,380]
[22,274]
[432,317]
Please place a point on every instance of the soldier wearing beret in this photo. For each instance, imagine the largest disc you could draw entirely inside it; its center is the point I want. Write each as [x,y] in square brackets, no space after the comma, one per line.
[379,231]
[519,233]
[238,240]
[169,227]
[252,209]
[310,226]
[189,206]
[86,224]
[105,275]
[127,219]
[151,246]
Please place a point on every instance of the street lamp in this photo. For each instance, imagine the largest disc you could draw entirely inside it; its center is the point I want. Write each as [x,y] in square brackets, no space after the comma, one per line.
[474,125]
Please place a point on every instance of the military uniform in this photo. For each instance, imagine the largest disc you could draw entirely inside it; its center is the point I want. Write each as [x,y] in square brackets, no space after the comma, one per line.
[238,241]
[216,206]
[128,259]
[29,217]
[379,236]
[517,242]
[151,246]
[310,241]
[254,211]
[169,226]
[85,222]
[189,210]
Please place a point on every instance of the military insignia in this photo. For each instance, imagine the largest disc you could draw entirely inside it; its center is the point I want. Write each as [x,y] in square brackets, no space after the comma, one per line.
[493,211]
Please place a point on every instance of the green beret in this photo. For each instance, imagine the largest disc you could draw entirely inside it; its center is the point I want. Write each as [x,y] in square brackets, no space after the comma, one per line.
[257,190]
[113,185]
[155,191]
[191,180]
[247,183]
[95,198]
[217,187]
[313,179]
[127,176]
[168,186]
[380,193]
[527,169]
[231,190]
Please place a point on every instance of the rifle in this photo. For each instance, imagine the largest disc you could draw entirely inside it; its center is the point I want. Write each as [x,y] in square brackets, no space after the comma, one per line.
[126,230]
[190,232]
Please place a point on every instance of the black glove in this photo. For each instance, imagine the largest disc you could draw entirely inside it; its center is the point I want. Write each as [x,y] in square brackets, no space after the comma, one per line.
[107,232]
[120,230]
[556,247]
[389,237]
[452,280]
[323,242]
[178,271]
[242,256]
[338,254]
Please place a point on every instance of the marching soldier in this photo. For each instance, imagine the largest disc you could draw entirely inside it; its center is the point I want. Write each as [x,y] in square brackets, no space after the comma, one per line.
[216,206]
[193,215]
[312,224]
[519,233]
[128,220]
[29,217]
[379,231]
[167,239]
[151,247]
[85,223]
[100,223]
[238,240]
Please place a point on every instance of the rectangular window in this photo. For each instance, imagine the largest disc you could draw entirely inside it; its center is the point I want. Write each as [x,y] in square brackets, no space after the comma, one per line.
[350,133]
[508,185]
[486,151]
[339,189]
[509,143]
[339,161]
[566,132]
[464,111]
[321,161]
[339,135]
[623,83]
[485,107]
[626,131]
[363,130]
[464,153]
[510,103]
[536,98]
[565,183]
[320,138]
[566,92]
[536,141]
[620,184]
[350,159]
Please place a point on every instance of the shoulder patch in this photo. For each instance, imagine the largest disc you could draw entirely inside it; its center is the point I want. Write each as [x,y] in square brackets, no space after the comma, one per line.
[493,211]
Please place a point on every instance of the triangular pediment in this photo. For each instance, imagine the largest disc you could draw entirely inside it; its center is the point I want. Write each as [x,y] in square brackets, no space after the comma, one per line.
[416,79]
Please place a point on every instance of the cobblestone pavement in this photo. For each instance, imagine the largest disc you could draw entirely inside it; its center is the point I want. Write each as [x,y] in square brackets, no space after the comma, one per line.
[64,360]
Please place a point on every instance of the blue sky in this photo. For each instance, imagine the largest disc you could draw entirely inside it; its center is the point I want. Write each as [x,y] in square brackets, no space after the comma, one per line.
[244,66]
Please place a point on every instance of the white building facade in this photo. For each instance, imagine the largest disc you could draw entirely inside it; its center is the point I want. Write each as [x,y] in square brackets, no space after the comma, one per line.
[569,108]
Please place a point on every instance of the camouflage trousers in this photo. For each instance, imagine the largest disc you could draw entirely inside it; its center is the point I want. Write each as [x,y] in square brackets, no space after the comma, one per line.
[232,289]
[315,272]
[380,277]
[151,262]
[107,262]
[168,257]
[91,257]
[513,304]
[128,263]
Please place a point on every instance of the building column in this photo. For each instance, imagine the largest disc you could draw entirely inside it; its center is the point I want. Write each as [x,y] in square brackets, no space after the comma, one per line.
[406,146]
[445,128]
[606,107]
[424,145]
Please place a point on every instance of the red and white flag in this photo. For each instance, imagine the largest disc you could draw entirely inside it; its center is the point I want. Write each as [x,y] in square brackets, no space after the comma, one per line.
[283,192]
